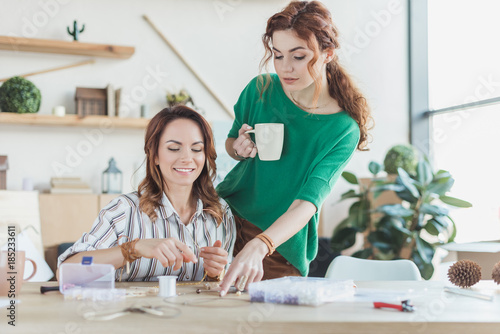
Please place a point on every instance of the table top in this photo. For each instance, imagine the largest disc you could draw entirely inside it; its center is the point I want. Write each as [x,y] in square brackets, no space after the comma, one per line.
[436,311]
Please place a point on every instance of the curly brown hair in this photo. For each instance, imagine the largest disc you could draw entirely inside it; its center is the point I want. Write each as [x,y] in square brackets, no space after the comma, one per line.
[152,187]
[312,22]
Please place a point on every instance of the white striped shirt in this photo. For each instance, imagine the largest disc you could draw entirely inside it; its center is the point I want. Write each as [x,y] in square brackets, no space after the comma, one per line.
[122,217]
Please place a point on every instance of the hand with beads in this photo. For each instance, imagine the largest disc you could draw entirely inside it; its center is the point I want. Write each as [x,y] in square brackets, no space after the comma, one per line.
[169,252]
[214,259]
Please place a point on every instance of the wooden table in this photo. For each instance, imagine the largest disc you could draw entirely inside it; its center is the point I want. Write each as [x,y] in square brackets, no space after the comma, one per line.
[436,312]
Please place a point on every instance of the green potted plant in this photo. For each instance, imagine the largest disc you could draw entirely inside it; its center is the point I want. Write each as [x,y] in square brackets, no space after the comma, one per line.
[19,95]
[404,156]
[411,229]
[182,97]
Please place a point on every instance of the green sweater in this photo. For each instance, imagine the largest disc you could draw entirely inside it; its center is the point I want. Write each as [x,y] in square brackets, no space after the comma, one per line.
[316,149]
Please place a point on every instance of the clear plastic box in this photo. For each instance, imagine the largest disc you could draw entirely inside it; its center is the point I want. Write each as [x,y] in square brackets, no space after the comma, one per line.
[93,276]
[311,291]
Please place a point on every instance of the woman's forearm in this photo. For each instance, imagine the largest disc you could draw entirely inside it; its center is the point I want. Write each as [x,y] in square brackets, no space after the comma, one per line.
[108,256]
[293,220]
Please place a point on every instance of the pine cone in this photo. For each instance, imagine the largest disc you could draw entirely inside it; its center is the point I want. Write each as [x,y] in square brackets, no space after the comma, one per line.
[496,273]
[465,273]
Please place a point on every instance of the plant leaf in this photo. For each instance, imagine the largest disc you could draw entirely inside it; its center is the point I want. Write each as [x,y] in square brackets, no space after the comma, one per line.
[385,256]
[395,210]
[453,230]
[374,167]
[424,249]
[420,222]
[363,254]
[398,223]
[441,186]
[424,172]
[441,174]
[359,214]
[455,201]
[441,220]
[343,224]
[406,196]
[389,186]
[350,194]
[350,177]
[434,210]
[343,239]
[433,227]
[381,239]
[426,268]
[407,181]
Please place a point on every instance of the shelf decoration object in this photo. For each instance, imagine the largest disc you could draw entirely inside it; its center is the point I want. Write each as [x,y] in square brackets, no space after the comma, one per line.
[73,120]
[112,179]
[65,47]
[81,63]
[182,97]
[464,273]
[496,273]
[76,32]
[91,101]
[19,95]
[69,185]
[4,165]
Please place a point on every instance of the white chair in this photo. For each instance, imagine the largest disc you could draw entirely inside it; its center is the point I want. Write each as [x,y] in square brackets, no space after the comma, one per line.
[347,267]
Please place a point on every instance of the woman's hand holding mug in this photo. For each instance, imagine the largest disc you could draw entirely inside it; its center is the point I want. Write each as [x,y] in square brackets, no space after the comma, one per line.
[243,145]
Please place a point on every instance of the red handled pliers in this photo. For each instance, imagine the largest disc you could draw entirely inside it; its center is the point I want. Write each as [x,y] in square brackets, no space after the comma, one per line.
[404,307]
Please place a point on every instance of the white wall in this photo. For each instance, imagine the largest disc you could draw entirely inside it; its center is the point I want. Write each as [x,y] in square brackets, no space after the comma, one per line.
[220,39]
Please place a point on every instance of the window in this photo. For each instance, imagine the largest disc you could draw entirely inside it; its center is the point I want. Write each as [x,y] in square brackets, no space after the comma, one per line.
[464,99]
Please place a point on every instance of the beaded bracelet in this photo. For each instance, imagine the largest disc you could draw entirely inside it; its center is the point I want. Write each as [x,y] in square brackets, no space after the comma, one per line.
[268,241]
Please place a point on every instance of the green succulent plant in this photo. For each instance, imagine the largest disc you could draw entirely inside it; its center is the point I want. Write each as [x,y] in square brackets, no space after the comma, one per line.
[411,229]
[19,95]
[182,97]
[401,156]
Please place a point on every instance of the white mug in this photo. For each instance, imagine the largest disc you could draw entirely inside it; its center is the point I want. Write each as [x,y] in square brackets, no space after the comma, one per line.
[269,140]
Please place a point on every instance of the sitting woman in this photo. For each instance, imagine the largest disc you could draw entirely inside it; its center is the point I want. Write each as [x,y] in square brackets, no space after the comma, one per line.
[175,224]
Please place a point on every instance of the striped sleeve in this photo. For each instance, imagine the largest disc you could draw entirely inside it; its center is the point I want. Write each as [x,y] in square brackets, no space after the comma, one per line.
[107,227]
[229,232]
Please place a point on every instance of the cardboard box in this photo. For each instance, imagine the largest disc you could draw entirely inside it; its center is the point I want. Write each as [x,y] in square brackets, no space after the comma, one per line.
[485,253]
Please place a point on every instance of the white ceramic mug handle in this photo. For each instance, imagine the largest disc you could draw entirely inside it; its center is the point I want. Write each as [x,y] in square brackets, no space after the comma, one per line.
[250,131]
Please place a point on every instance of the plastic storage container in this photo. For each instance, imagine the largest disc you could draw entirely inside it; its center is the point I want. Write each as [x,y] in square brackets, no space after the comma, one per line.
[93,276]
[311,291]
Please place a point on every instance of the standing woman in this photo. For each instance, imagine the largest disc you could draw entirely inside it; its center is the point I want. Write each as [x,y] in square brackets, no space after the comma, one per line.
[276,203]
[175,224]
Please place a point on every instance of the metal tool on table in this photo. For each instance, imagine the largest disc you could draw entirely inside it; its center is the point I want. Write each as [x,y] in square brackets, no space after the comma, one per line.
[405,306]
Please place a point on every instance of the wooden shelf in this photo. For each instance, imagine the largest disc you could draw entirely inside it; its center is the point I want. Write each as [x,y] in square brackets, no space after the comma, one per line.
[65,47]
[73,120]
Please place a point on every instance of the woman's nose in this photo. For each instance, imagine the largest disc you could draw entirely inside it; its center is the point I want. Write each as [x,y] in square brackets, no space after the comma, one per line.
[287,65]
[186,155]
